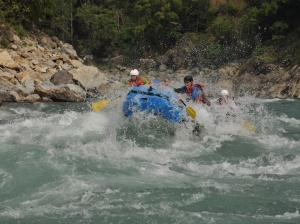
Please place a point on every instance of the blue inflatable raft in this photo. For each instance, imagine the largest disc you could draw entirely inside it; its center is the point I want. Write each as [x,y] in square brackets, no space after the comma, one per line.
[158,100]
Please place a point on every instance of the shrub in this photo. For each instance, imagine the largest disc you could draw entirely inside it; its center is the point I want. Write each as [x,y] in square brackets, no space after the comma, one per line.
[224,29]
[20,31]
[4,42]
[278,29]
[258,50]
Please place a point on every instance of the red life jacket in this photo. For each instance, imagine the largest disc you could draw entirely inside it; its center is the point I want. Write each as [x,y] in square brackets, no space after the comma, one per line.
[221,101]
[201,87]
[138,82]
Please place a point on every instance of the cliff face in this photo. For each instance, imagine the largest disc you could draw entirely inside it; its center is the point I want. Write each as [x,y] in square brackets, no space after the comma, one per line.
[270,81]
[251,77]
[40,68]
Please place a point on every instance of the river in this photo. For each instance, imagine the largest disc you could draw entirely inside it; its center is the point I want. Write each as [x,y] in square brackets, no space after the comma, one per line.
[63,163]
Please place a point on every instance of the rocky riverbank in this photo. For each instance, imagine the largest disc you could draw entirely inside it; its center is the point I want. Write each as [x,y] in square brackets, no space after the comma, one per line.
[40,68]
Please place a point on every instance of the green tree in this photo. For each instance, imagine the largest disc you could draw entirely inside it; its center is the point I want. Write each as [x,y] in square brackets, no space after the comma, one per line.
[270,16]
[98,26]
[196,16]
[157,23]
[225,29]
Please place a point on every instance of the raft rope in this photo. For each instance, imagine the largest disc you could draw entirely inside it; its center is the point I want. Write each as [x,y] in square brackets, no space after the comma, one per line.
[150,94]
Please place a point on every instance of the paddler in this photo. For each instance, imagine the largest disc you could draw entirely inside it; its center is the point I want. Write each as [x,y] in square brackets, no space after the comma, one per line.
[194,91]
[134,79]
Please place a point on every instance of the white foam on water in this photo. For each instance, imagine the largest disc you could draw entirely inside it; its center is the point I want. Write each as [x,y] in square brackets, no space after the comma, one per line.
[146,154]
[68,126]
[6,113]
[11,213]
[274,142]
[86,197]
[246,168]
[288,215]
[69,189]
[195,198]
[210,170]
[291,120]
[4,134]
[270,100]
[221,187]
[5,177]
[68,118]
[143,194]
[27,123]
[276,165]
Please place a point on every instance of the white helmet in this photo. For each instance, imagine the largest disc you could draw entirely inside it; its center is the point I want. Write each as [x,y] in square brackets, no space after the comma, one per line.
[224,92]
[134,72]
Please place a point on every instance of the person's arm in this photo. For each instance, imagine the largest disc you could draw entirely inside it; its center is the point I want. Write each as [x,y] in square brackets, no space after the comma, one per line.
[180,90]
[145,81]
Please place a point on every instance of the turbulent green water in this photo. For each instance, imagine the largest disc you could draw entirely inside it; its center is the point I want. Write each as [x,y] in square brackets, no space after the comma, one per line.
[62,163]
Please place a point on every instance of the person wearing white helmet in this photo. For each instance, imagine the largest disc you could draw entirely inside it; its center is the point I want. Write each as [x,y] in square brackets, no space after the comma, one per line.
[225,99]
[134,79]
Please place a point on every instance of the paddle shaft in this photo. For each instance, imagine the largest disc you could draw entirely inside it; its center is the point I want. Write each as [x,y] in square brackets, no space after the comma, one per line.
[183,102]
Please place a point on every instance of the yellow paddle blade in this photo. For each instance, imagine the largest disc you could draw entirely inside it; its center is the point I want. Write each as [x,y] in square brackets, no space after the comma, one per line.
[100,105]
[191,112]
[250,127]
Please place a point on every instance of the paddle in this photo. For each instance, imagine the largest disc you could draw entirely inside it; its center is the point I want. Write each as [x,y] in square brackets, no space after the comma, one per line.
[250,127]
[197,128]
[190,110]
[207,101]
[100,105]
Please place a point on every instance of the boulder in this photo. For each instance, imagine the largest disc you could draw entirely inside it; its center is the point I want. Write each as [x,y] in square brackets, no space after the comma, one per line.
[46,41]
[57,41]
[89,77]
[76,63]
[68,49]
[67,92]
[66,66]
[6,60]
[88,59]
[7,96]
[62,77]
[31,98]
[50,63]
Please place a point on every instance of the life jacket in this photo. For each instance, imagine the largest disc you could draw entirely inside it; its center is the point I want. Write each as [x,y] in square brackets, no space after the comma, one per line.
[201,87]
[221,101]
[138,82]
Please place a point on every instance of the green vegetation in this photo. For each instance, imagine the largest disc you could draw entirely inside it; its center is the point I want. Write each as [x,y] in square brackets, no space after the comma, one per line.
[148,28]
[21,32]
[4,42]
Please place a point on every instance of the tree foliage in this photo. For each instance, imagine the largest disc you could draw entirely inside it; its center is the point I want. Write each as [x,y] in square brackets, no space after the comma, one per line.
[141,28]
[272,17]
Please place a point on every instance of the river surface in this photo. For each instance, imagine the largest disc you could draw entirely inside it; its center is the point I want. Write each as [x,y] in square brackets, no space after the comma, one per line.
[63,163]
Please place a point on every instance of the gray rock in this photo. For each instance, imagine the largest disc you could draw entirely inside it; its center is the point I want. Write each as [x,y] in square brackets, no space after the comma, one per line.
[7,96]
[62,77]
[67,92]
[66,66]
[72,53]
[50,63]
